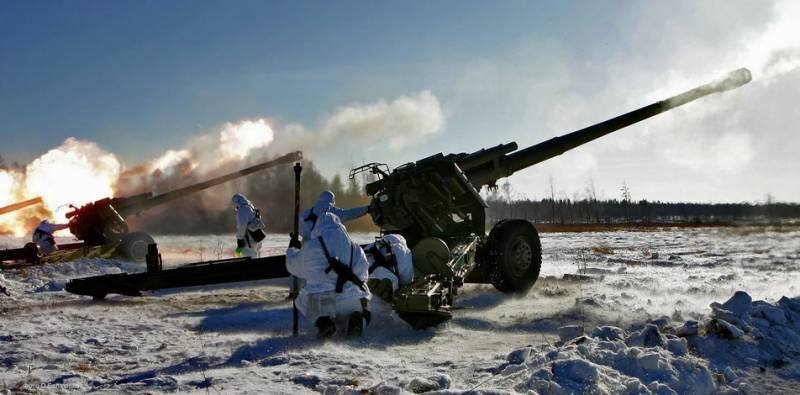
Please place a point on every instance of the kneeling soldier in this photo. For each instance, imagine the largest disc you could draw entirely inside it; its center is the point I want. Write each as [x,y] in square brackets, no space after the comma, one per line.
[390,265]
[335,271]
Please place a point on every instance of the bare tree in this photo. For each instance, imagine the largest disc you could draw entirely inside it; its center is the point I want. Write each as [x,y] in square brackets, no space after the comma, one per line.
[507,195]
[626,199]
[591,196]
[552,200]
[769,206]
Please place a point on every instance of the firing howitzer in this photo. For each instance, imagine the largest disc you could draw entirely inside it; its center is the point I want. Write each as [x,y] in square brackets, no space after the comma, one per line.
[435,204]
[103,221]
[101,226]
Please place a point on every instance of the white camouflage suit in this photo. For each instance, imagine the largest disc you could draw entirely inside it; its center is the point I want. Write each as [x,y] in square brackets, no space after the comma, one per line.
[327,203]
[43,236]
[318,298]
[247,221]
[392,247]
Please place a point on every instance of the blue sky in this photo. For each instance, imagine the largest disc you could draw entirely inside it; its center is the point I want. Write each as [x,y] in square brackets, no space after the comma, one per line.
[121,72]
[142,77]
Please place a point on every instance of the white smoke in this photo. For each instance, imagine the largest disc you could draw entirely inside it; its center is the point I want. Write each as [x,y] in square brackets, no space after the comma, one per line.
[734,146]
[174,162]
[76,172]
[9,187]
[776,49]
[237,140]
[11,191]
[394,124]
[349,130]
[716,135]
[233,142]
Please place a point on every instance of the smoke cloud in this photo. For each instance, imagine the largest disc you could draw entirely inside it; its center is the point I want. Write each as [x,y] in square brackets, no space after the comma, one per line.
[394,124]
[383,124]
[734,146]
[237,140]
[78,172]
[74,173]
[11,191]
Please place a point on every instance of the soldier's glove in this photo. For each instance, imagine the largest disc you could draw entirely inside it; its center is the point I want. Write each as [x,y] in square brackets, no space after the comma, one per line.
[375,211]
[240,243]
[294,241]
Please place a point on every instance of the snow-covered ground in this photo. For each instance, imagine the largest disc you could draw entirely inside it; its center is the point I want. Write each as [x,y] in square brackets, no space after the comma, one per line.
[644,290]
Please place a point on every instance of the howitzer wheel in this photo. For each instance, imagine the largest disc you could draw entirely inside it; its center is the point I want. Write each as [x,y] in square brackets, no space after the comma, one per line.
[514,256]
[134,246]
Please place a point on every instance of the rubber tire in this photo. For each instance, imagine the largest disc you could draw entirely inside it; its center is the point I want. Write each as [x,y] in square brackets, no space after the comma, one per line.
[134,246]
[502,241]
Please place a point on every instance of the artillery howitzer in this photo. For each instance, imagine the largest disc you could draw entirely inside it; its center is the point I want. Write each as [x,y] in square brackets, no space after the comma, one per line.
[436,205]
[101,226]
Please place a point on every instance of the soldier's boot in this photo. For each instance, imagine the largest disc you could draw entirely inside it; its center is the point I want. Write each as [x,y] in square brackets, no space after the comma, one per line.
[355,324]
[325,327]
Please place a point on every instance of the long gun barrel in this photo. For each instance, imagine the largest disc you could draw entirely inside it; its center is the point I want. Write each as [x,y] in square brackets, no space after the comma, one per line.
[137,204]
[102,221]
[482,172]
[20,205]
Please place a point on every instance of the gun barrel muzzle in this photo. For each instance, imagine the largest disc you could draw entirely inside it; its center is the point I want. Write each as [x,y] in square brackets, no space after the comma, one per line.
[733,80]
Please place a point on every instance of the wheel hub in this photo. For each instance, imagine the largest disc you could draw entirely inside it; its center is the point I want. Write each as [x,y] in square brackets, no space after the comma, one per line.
[520,257]
[138,250]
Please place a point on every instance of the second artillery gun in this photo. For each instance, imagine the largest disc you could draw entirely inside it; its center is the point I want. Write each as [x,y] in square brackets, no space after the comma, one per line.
[436,205]
[101,228]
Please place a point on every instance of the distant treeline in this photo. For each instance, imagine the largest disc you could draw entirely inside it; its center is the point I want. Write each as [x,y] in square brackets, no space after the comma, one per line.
[587,211]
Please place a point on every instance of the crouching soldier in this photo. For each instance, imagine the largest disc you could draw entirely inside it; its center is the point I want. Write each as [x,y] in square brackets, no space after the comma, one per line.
[43,236]
[390,265]
[335,271]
